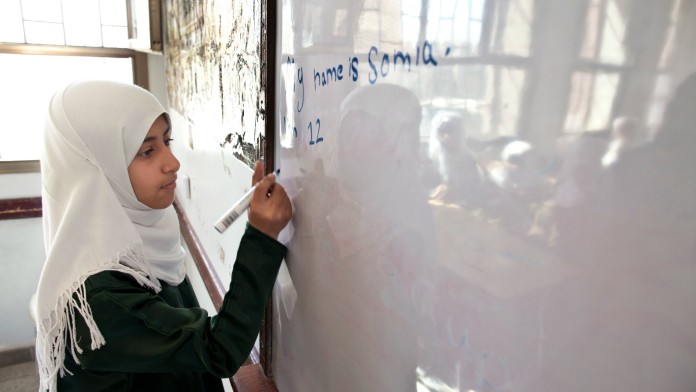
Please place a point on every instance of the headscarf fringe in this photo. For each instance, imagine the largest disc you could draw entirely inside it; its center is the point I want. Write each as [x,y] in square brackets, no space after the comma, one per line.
[53,331]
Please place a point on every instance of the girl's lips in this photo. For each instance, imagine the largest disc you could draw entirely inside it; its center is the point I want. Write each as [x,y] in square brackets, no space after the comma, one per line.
[171,185]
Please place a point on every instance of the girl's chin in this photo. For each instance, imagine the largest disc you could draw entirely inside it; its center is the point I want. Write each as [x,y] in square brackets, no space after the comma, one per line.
[161,204]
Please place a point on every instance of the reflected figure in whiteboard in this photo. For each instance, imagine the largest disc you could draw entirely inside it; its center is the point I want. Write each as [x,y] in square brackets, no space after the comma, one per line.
[652,188]
[630,307]
[383,234]
[460,175]
[626,135]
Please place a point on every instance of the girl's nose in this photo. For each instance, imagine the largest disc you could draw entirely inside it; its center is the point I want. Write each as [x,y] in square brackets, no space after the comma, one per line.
[171,163]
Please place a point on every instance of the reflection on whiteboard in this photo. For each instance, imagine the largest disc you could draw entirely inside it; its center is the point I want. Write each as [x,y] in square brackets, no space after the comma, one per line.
[490,195]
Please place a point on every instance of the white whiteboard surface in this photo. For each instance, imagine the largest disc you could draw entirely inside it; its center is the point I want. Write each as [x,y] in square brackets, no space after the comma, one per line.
[514,211]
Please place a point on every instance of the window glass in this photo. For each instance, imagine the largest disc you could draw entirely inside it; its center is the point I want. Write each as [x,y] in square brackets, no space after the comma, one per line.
[368,33]
[28,83]
[115,36]
[458,23]
[44,33]
[591,100]
[11,22]
[112,12]
[411,7]
[82,26]
[65,22]
[42,10]
[605,32]
[512,32]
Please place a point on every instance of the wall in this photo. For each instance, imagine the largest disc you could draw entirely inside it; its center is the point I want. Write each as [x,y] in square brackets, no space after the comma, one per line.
[21,259]
[21,241]
[212,64]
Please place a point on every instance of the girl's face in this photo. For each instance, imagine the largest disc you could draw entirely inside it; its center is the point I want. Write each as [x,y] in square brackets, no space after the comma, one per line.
[153,170]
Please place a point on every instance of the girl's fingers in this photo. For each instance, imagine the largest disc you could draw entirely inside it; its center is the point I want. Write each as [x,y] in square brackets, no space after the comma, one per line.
[258,173]
[277,193]
[270,208]
[264,187]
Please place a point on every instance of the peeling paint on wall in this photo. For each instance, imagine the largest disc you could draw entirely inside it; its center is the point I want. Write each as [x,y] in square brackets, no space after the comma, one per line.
[246,152]
[214,74]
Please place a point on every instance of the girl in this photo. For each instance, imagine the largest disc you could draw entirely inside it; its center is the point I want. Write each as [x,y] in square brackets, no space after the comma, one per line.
[114,310]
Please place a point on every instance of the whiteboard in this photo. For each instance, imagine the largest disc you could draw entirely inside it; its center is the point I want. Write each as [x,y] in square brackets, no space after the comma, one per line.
[490,195]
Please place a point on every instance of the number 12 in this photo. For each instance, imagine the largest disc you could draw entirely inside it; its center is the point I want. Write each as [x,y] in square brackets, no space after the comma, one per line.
[311,133]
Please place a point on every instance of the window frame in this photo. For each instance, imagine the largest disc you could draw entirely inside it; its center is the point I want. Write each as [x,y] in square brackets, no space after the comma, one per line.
[140,78]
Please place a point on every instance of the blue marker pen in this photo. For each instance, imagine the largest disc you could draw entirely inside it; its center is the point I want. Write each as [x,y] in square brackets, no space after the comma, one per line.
[237,209]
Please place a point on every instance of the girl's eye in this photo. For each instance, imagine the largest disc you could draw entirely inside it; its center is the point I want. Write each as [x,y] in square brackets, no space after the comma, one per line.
[147,152]
[167,142]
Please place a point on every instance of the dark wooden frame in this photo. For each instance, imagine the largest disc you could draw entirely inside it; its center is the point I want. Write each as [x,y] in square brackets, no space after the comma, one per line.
[18,167]
[155,19]
[268,50]
[20,208]
[213,283]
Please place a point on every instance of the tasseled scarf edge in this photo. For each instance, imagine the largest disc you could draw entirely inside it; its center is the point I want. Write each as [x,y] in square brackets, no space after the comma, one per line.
[52,331]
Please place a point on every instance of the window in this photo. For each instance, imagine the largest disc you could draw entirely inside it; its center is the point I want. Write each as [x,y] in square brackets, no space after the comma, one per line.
[29,82]
[45,44]
[664,84]
[101,23]
[605,32]
[488,45]
[591,100]
[595,86]
[512,29]
[491,45]
[461,22]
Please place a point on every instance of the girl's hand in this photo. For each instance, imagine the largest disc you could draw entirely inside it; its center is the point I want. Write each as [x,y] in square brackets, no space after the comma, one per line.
[270,209]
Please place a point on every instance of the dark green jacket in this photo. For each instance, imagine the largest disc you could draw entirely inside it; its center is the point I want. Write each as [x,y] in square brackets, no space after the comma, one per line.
[164,341]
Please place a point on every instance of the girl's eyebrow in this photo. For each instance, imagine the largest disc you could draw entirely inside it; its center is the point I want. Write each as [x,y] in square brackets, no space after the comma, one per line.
[151,138]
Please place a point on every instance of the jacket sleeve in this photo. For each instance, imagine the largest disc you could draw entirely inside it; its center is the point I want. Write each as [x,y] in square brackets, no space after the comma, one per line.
[147,332]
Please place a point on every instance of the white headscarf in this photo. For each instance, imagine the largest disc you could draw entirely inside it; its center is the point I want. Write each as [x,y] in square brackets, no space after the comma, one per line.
[92,219]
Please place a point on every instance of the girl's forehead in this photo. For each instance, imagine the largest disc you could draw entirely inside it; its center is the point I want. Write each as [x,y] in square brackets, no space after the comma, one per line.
[159,127]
